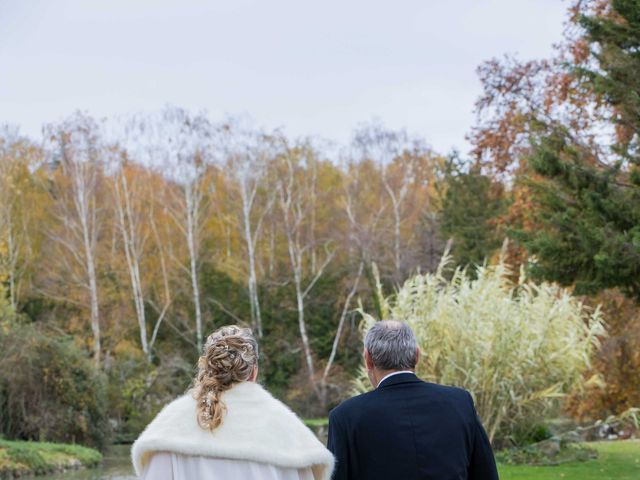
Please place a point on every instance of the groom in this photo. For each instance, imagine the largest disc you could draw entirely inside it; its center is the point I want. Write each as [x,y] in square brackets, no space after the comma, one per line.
[406,429]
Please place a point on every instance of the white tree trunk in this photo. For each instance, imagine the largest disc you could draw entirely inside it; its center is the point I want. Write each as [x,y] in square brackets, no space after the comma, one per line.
[95,313]
[192,202]
[338,335]
[302,325]
[293,215]
[396,203]
[256,317]
[165,284]
[251,235]
[131,246]
[312,202]
[343,317]
[84,185]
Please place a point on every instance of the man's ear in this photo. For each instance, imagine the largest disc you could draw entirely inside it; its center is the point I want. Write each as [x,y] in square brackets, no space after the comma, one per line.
[367,360]
[417,355]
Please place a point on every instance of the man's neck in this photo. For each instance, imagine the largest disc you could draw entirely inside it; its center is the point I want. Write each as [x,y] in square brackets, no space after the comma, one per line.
[381,375]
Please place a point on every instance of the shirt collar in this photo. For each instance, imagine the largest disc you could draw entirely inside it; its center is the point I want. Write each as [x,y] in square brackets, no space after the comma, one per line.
[392,374]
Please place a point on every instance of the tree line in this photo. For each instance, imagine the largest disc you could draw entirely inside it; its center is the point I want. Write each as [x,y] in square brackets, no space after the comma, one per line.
[150,231]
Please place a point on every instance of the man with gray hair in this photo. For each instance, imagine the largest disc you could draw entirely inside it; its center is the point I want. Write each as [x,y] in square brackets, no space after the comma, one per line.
[406,429]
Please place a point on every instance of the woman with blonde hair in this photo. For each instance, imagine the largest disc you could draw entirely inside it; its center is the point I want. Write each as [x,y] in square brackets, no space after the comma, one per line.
[227,426]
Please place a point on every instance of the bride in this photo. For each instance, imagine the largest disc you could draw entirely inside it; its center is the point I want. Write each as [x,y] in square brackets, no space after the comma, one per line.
[228,426]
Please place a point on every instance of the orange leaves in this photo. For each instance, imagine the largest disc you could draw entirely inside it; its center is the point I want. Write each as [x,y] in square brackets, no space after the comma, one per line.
[616,365]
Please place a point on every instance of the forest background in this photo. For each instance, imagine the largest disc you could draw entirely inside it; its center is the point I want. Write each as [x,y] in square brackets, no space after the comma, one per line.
[125,241]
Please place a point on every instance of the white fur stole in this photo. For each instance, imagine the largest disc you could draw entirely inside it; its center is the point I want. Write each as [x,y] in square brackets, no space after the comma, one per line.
[256,427]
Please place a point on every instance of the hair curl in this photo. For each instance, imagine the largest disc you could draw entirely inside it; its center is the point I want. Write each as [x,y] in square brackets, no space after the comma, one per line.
[229,356]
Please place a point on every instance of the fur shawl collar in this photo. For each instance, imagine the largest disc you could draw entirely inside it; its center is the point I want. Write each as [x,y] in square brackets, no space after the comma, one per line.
[256,427]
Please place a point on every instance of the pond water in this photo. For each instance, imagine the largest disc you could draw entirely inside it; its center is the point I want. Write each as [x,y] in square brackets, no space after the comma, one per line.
[116,465]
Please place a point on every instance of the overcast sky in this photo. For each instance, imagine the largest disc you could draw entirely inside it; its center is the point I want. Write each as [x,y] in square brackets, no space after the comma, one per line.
[313,67]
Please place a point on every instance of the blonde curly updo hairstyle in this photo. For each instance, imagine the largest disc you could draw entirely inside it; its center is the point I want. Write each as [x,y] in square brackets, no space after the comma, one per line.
[229,356]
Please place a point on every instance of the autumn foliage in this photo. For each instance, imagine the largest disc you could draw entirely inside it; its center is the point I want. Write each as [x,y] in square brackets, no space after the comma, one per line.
[135,236]
[564,132]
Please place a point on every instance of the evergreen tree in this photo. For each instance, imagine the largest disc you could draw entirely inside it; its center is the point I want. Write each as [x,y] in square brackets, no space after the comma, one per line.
[469,208]
[588,207]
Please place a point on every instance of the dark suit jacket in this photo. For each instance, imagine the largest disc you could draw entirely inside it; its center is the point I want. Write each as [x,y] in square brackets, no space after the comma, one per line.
[408,429]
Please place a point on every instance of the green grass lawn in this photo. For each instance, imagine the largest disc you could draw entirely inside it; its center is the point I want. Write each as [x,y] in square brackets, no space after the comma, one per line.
[616,461]
[23,458]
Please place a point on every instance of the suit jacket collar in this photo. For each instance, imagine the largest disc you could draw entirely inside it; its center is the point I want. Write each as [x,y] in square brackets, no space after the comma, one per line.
[399,379]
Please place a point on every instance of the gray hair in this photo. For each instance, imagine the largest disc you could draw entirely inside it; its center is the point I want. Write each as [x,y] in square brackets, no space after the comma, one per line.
[391,345]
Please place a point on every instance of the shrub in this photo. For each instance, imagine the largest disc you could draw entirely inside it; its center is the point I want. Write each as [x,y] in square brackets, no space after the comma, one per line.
[613,382]
[138,390]
[49,389]
[516,347]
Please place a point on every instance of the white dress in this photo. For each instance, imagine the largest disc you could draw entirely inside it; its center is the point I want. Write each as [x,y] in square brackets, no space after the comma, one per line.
[175,466]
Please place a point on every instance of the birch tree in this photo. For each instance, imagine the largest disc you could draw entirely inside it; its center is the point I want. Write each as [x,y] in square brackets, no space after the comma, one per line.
[136,224]
[180,145]
[294,203]
[248,155]
[365,209]
[338,335]
[77,155]
[401,161]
